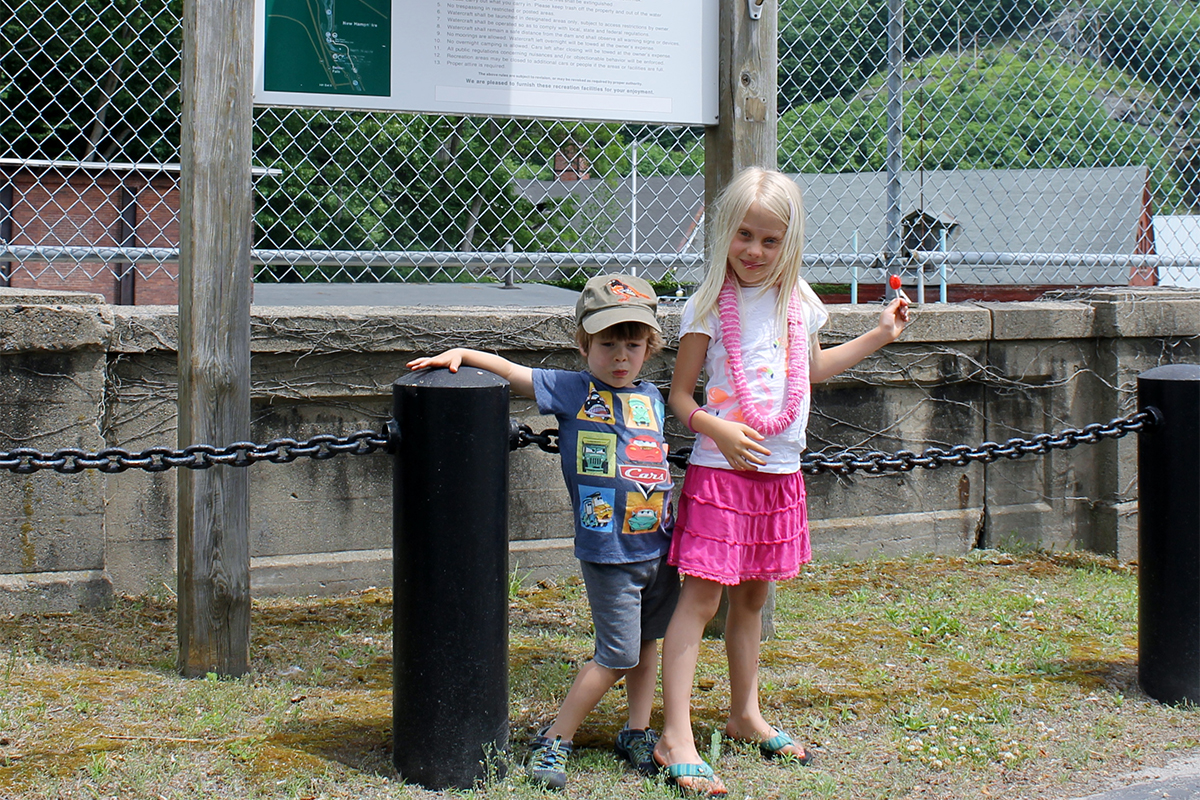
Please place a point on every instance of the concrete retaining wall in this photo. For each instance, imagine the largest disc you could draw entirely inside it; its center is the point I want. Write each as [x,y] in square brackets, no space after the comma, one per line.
[75,372]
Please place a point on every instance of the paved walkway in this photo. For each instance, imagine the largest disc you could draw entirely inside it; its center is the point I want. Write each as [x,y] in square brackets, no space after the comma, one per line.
[1179,780]
[523,295]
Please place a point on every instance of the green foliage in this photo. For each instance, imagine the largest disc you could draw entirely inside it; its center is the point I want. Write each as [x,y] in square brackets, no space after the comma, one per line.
[1003,110]
[832,48]
[654,159]
[92,80]
[661,150]
[399,182]
[608,149]
[1156,40]
[827,50]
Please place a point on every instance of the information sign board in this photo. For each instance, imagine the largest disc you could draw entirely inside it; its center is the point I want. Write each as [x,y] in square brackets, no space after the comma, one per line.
[623,60]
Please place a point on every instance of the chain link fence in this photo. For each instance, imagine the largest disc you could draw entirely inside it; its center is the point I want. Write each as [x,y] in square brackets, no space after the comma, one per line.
[1043,143]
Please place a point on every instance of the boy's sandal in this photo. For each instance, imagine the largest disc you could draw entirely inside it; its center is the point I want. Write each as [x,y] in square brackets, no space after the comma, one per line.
[777,747]
[702,771]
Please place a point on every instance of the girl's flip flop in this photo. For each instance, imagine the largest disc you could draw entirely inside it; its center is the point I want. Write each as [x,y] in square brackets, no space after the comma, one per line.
[777,745]
[703,771]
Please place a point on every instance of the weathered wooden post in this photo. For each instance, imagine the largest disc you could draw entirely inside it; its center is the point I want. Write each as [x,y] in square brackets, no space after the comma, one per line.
[748,67]
[747,133]
[214,334]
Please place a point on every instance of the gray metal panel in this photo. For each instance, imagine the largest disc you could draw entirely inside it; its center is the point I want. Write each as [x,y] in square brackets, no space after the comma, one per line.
[998,211]
[1002,211]
[668,210]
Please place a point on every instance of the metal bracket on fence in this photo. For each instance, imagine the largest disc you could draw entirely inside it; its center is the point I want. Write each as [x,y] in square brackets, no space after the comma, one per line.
[25,460]
[391,433]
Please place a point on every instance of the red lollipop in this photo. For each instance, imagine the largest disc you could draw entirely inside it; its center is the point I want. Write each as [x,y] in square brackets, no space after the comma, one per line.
[894,282]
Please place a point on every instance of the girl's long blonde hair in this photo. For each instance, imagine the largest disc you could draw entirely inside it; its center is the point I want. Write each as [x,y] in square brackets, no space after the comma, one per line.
[779,196]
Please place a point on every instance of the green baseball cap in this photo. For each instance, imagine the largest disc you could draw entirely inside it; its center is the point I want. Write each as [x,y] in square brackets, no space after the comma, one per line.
[609,299]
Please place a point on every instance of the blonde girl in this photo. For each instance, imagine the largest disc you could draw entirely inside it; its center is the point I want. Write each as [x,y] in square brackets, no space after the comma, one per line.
[752,326]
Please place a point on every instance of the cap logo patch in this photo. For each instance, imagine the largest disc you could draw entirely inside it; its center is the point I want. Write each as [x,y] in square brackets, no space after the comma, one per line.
[625,292]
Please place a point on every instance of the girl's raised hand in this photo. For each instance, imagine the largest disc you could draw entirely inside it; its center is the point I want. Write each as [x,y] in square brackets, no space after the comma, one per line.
[895,317]
[451,359]
[739,443]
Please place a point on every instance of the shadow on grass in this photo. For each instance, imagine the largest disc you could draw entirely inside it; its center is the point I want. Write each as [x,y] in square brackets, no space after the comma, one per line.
[341,642]
[365,746]
[1093,674]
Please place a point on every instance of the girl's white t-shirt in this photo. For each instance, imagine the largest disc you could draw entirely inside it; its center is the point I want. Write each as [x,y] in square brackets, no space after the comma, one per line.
[764,358]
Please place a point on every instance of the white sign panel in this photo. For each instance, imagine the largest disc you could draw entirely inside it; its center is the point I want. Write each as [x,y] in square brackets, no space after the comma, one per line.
[651,61]
[1178,237]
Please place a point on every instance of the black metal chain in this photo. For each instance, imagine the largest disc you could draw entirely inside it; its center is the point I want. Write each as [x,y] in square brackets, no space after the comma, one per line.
[876,462]
[524,436]
[25,460]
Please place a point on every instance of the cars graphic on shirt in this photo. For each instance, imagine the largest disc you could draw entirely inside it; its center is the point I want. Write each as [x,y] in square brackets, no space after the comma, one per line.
[644,519]
[639,413]
[595,458]
[644,449]
[595,511]
[594,407]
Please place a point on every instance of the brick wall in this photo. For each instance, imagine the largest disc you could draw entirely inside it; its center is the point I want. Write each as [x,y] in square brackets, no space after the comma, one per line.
[80,207]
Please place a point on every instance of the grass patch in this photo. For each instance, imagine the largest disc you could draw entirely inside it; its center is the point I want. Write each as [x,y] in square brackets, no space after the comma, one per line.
[994,674]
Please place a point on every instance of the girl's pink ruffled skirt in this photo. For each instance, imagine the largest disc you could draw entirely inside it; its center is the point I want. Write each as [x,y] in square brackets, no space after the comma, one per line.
[740,526]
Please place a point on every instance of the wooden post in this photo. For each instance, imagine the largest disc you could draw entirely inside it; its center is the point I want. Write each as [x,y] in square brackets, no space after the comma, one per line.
[748,85]
[214,334]
[745,135]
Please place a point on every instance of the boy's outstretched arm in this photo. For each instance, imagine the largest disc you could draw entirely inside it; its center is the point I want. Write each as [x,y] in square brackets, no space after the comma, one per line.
[520,378]
[825,363]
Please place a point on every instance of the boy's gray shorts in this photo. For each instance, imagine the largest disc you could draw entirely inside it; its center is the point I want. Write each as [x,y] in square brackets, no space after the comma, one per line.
[630,603]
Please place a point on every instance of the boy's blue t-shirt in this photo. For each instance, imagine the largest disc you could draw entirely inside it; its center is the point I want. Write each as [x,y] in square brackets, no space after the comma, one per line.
[614,460]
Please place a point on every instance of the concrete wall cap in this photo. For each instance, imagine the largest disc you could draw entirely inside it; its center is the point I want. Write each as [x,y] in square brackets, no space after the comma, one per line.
[928,322]
[54,328]
[1056,319]
[47,297]
[1169,313]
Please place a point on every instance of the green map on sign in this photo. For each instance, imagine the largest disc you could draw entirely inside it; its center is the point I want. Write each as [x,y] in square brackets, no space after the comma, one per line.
[328,47]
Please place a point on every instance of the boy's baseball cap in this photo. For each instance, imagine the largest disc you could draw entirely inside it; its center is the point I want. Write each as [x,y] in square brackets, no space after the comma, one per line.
[609,299]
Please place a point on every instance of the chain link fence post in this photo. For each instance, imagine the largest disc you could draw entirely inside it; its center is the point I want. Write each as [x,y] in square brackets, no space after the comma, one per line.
[450,564]
[1169,535]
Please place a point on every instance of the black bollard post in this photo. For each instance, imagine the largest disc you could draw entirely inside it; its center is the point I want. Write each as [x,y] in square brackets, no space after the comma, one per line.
[1169,535]
[450,567]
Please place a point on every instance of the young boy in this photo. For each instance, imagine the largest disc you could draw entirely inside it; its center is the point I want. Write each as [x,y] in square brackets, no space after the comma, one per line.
[614,463]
